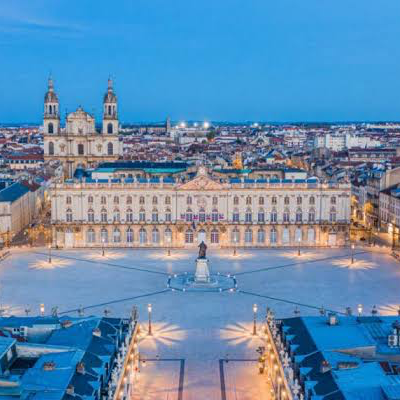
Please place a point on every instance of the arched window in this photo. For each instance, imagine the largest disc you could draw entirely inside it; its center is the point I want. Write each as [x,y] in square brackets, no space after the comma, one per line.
[90,215]
[129,200]
[261,201]
[189,200]
[248,200]
[235,236]
[236,200]
[155,236]
[215,201]
[260,236]
[116,215]
[286,200]
[189,236]
[103,200]
[311,236]
[248,216]
[189,215]
[103,215]
[273,236]
[248,236]
[154,215]
[50,109]
[155,200]
[312,200]
[274,216]
[285,236]
[215,236]
[142,236]
[109,110]
[142,215]
[116,235]
[299,215]
[299,200]
[129,235]
[129,215]
[168,215]
[104,235]
[110,128]
[261,216]
[68,215]
[311,216]
[168,236]
[214,215]
[81,151]
[235,215]
[141,200]
[167,200]
[90,236]
[333,200]
[286,215]
[332,215]
[69,200]
[90,199]
[110,149]
[202,215]
[116,200]
[274,201]
[51,148]
[50,127]
[297,235]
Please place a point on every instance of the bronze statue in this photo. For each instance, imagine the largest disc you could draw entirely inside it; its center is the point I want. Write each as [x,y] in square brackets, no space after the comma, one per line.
[202,250]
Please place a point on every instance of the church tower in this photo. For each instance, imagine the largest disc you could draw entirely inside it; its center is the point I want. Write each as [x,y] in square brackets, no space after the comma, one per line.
[110,116]
[51,118]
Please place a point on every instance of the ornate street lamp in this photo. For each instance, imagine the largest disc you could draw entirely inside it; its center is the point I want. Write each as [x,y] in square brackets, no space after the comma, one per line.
[352,253]
[42,310]
[255,308]
[49,253]
[359,310]
[149,309]
[102,246]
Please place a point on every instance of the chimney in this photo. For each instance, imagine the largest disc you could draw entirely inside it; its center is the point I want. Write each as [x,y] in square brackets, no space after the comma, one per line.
[96,332]
[325,367]
[66,324]
[49,366]
[332,319]
[80,368]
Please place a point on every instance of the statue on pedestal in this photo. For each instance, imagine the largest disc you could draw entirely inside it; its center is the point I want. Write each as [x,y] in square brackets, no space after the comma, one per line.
[202,250]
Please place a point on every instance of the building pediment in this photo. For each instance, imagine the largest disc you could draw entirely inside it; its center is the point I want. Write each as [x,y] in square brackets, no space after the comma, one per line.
[202,182]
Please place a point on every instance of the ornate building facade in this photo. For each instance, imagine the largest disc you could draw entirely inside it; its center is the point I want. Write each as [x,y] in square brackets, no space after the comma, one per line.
[163,212]
[79,145]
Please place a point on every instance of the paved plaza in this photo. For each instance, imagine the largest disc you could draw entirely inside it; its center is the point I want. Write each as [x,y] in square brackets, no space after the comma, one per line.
[202,347]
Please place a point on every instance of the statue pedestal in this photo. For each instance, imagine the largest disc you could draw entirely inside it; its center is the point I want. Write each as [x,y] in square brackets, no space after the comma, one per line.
[202,274]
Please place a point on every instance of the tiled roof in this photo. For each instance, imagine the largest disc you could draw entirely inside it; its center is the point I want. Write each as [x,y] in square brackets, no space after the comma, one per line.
[13,192]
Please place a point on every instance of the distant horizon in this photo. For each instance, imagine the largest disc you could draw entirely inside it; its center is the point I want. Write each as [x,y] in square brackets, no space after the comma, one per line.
[220,123]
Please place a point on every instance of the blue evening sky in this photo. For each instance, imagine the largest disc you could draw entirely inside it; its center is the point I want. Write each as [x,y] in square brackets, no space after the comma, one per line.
[255,60]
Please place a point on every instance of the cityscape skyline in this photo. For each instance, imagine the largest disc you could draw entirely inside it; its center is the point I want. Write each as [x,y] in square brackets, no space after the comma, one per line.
[257,62]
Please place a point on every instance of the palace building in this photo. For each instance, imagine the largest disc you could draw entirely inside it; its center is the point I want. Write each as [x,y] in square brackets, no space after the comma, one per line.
[177,204]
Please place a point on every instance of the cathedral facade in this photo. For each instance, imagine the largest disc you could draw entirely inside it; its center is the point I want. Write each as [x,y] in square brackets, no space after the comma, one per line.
[79,144]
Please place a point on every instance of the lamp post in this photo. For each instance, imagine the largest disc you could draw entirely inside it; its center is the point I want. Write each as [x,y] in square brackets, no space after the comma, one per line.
[298,249]
[359,310]
[102,246]
[352,253]
[169,245]
[42,309]
[234,244]
[255,319]
[49,253]
[149,309]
